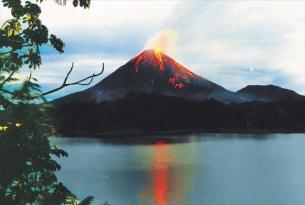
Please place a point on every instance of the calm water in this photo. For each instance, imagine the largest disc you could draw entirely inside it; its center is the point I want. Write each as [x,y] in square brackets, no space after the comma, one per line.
[232,169]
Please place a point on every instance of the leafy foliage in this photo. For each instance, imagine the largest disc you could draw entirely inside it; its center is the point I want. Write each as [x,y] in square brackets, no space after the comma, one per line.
[82,3]
[27,165]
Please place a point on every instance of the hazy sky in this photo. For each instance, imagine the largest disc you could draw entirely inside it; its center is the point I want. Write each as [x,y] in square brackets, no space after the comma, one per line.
[233,43]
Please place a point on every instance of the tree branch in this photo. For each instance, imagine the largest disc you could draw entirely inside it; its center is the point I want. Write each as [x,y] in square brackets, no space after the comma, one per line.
[80,82]
[7,79]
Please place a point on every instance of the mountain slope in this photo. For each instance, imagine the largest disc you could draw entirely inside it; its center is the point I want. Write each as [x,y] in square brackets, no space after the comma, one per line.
[267,93]
[153,72]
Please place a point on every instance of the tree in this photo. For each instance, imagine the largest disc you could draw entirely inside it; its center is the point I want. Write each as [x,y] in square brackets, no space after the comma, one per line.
[26,157]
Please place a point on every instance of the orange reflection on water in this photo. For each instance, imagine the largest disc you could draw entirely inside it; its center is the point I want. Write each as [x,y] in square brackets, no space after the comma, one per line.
[170,173]
[160,172]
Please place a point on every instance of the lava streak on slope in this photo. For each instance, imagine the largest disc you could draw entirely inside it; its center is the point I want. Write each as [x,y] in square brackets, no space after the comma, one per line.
[152,57]
[175,83]
[161,62]
[158,55]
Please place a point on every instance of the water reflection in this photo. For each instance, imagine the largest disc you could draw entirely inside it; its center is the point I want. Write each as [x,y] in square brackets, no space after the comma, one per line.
[160,166]
[170,174]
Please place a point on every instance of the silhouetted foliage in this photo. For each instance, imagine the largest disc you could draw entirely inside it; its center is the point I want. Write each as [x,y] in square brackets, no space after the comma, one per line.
[27,166]
[82,3]
[149,113]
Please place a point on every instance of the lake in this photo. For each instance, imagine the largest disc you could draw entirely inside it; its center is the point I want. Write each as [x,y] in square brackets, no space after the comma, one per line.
[198,169]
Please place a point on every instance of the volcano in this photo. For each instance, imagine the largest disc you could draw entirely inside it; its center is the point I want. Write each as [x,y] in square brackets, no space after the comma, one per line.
[152,71]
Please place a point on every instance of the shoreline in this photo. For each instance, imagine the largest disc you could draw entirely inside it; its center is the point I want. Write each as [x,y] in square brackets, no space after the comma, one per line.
[134,133]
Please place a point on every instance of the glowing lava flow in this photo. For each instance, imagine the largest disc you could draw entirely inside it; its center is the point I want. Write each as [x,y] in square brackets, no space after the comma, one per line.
[160,172]
[158,55]
[139,59]
[174,82]
[178,74]
[153,57]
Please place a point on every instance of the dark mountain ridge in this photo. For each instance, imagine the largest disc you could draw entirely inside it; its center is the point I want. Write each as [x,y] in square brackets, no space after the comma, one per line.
[138,114]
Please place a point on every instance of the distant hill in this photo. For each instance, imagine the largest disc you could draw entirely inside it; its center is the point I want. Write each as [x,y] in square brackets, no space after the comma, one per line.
[267,93]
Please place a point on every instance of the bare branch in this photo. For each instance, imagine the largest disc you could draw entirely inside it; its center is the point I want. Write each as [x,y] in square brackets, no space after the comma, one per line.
[7,79]
[30,77]
[80,82]
[67,76]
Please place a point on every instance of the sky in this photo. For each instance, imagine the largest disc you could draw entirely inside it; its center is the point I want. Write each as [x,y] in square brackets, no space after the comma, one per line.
[232,43]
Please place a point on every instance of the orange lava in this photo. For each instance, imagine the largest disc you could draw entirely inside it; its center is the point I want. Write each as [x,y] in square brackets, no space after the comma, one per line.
[158,55]
[175,83]
[138,61]
[153,57]
[158,60]
[179,85]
